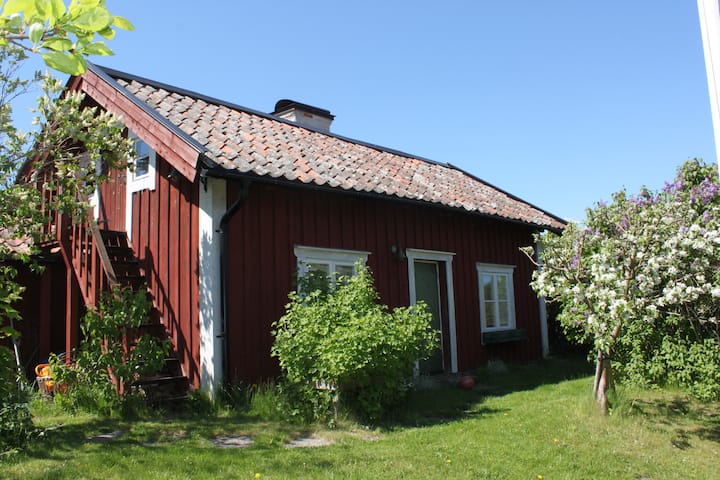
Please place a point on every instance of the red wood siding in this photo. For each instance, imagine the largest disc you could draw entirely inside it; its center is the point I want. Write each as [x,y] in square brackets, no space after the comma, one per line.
[165,239]
[42,309]
[275,218]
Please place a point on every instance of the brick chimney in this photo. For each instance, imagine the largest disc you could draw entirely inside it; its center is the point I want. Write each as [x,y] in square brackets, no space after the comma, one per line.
[304,115]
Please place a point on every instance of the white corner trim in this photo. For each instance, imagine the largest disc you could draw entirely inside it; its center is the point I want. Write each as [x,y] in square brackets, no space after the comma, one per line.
[213,204]
[413,254]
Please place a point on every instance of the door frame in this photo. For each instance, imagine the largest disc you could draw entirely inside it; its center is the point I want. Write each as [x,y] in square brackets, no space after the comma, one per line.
[413,254]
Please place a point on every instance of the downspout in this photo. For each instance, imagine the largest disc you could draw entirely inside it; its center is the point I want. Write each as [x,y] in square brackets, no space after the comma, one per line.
[224,247]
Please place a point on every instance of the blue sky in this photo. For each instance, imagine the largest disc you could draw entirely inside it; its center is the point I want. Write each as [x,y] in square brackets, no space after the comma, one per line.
[558,102]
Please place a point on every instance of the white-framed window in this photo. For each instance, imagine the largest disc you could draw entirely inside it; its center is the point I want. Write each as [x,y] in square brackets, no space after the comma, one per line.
[142,176]
[327,264]
[497,298]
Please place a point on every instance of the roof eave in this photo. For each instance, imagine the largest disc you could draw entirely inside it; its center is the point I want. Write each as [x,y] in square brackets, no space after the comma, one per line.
[220,172]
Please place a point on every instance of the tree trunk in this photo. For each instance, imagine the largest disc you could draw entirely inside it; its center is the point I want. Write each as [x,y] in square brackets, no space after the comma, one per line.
[603,382]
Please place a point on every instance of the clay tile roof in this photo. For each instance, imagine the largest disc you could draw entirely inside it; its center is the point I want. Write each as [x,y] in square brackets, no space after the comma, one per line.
[246,141]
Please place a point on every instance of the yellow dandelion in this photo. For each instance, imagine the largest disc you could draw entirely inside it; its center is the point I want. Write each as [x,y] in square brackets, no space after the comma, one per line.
[448,460]
[257,475]
[540,477]
[555,440]
[505,414]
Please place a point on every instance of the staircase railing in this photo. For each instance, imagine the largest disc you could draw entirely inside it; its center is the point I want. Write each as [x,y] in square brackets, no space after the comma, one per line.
[82,247]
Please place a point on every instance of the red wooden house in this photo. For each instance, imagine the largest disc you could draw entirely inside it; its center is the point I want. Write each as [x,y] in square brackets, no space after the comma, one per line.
[227,205]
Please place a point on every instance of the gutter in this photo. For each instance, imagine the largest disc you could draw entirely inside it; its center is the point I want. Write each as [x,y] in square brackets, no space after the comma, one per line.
[224,247]
[220,172]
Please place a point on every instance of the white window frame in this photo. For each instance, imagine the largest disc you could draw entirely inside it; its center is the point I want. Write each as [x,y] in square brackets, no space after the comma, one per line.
[328,256]
[146,181]
[496,270]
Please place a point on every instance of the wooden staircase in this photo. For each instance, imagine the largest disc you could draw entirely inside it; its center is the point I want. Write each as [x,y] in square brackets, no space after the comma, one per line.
[102,260]
[168,384]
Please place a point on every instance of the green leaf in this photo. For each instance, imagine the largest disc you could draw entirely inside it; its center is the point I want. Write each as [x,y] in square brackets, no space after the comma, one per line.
[36,31]
[15,23]
[43,8]
[98,48]
[93,20]
[57,44]
[70,63]
[107,32]
[16,6]
[123,23]
[57,9]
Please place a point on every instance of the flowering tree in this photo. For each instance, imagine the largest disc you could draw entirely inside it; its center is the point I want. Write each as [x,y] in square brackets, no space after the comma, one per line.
[641,282]
[68,136]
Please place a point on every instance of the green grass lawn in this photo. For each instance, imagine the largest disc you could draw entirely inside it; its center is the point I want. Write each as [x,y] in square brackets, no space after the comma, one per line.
[527,423]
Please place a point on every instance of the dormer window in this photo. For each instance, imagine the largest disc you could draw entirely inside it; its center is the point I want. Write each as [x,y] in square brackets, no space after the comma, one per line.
[142,175]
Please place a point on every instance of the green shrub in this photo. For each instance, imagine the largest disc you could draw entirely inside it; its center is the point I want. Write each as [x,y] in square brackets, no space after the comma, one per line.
[340,338]
[16,427]
[89,385]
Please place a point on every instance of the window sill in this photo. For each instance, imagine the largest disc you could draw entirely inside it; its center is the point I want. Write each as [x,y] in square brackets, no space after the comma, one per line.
[503,336]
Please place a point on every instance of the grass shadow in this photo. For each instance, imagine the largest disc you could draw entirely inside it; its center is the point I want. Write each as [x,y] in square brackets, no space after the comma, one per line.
[446,402]
[675,413]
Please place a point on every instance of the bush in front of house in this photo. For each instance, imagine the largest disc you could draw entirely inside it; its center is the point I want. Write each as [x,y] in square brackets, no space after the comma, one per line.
[339,343]
[111,353]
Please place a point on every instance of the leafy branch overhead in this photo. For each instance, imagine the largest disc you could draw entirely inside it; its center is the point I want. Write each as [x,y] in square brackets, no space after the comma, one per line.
[62,35]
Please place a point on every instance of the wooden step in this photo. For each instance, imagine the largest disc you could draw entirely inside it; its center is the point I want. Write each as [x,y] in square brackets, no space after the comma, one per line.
[159,389]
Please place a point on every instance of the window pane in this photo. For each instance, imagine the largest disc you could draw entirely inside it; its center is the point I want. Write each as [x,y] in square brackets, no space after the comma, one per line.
[142,166]
[502,286]
[344,270]
[487,283]
[318,268]
[142,149]
[142,163]
[490,315]
[317,277]
[504,314]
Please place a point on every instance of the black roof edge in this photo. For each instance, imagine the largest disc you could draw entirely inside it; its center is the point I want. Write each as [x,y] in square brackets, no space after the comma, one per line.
[235,106]
[107,73]
[514,197]
[235,175]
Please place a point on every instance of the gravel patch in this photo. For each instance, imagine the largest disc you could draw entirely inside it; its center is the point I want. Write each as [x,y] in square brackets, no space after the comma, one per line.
[232,441]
